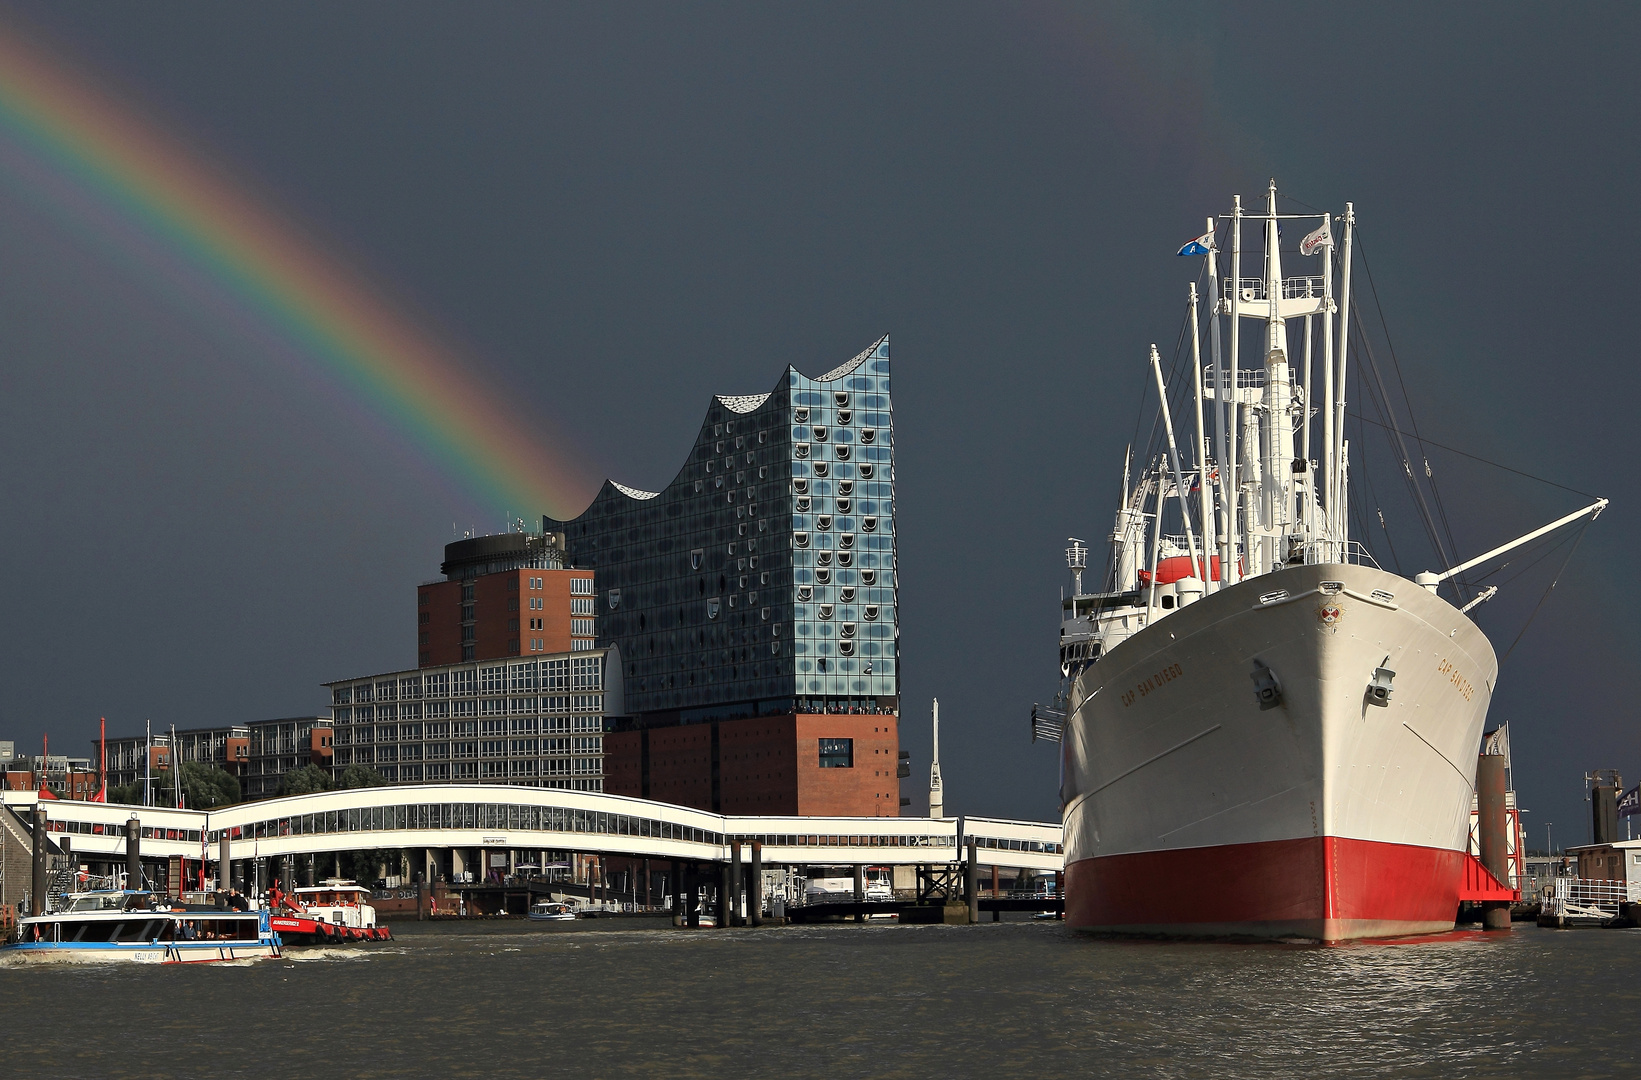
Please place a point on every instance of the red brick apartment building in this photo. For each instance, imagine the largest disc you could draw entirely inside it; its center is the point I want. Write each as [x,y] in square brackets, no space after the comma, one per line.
[504,595]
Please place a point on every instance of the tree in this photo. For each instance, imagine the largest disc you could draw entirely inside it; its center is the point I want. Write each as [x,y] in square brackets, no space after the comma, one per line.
[360,776]
[307,779]
[203,787]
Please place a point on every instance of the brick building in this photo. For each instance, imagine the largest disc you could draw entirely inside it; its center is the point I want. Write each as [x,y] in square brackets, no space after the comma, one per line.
[504,595]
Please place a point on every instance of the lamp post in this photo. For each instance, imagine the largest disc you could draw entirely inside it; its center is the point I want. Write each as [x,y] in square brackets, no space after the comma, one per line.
[1548,850]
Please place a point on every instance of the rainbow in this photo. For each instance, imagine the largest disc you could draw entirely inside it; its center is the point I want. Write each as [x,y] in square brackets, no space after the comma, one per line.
[75,139]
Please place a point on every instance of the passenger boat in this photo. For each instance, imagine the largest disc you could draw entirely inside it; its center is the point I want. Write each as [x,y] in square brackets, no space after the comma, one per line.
[116,925]
[337,911]
[552,911]
[1263,732]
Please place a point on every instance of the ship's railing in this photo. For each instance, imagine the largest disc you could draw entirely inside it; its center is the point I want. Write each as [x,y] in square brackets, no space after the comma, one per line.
[1305,287]
[1573,896]
[1246,378]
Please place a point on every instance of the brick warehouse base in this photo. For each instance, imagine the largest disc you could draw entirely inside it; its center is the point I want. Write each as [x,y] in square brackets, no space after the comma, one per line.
[761,765]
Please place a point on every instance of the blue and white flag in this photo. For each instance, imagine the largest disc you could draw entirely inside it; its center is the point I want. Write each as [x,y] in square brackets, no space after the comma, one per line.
[1202,245]
[1630,804]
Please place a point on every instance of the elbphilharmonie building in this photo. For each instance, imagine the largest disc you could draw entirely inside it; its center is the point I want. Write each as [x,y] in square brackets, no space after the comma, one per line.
[761,580]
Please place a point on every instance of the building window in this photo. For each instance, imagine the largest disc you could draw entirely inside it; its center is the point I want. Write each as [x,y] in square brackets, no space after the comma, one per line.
[581,586]
[581,605]
[837,753]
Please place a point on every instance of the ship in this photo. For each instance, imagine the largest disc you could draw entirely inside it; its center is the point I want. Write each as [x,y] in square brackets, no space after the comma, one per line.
[1263,733]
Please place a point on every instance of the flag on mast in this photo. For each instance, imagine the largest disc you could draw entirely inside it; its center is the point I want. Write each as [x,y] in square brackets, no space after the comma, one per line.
[1202,245]
[1322,237]
[1630,804]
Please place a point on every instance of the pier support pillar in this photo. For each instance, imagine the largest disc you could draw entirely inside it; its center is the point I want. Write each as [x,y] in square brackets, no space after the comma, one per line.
[860,890]
[734,884]
[646,884]
[723,896]
[675,882]
[1060,892]
[1492,827]
[692,911]
[133,853]
[37,894]
[971,882]
[755,885]
[996,888]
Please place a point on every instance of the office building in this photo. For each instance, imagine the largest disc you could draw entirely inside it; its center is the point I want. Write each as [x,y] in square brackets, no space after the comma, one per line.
[534,721]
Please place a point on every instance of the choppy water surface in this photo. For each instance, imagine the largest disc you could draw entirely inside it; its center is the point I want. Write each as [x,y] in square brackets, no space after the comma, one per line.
[607,999]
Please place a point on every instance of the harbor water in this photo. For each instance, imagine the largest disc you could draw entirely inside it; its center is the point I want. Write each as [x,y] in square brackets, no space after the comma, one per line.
[607,998]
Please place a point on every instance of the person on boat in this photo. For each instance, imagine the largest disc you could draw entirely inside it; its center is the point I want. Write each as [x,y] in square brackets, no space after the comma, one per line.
[188,931]
[237,900]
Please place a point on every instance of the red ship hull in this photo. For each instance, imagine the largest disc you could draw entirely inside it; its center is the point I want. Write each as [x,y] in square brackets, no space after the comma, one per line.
[300,930]
[1323,888]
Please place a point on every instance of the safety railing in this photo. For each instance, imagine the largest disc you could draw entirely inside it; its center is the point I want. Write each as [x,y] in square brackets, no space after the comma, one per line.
[1588,896]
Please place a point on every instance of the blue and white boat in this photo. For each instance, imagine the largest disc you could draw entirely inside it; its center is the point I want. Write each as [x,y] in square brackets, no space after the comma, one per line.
[137,926]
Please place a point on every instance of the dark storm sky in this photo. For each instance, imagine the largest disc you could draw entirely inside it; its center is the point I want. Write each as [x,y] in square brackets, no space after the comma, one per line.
[619,213]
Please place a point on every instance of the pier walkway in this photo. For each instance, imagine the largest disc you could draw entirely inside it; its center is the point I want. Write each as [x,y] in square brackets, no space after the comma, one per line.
[497,817]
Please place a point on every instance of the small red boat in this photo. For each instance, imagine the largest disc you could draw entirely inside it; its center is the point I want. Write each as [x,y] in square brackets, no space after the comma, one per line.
[335,913]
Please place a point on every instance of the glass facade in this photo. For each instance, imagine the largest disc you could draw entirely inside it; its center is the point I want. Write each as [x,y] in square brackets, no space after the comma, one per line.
[762,580]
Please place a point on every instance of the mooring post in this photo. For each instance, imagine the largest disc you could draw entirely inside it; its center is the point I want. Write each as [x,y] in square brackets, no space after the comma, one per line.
[133,853]
[971,882]
[755,885]
[1493,821]
[37,898]
[735,883]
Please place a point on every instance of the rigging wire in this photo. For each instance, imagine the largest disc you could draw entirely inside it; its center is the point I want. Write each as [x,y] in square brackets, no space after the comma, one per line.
[1579,539]
[1407,399]
[1484,461]
[1400,445]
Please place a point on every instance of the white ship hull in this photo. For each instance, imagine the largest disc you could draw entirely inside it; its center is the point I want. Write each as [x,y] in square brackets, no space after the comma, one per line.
[1190,810]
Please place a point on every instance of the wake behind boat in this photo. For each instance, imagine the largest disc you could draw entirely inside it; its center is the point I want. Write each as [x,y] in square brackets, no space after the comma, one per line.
[1263,733]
